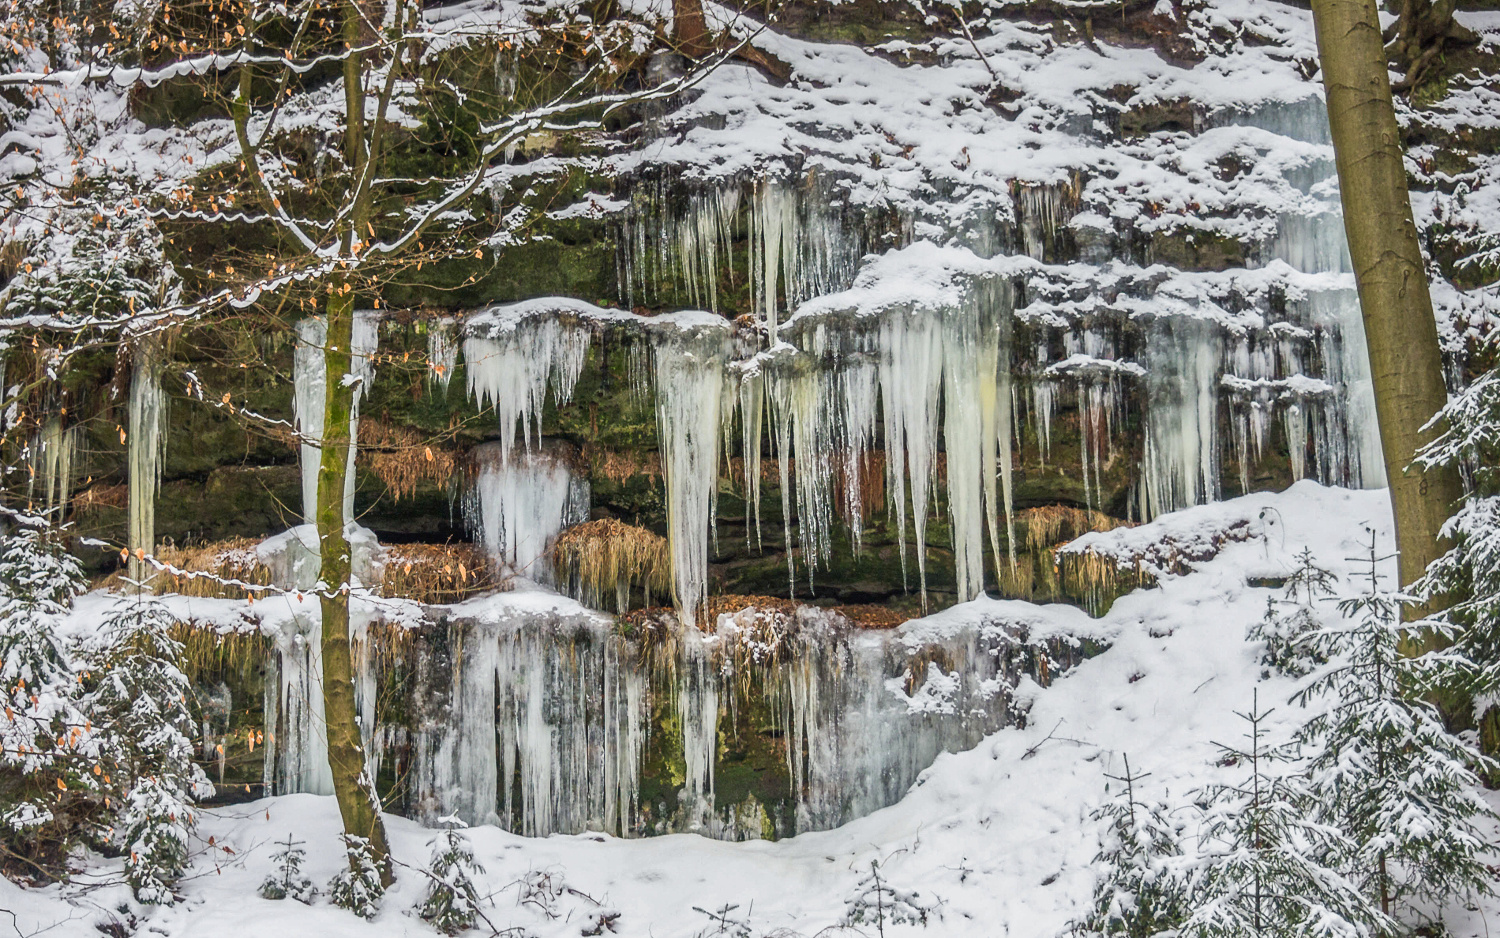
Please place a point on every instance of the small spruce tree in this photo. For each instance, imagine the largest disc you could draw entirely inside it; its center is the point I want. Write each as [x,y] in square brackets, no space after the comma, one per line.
[452,902]
[1290,620]
[358,886]
[1263,868]
[45,739]
[1386,770]
[140,701]
[1139,892]
[1467,577]
[286,879]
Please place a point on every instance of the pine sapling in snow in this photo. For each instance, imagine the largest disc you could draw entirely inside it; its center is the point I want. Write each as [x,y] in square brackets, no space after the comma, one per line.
[452,902]
[1468,575]
[286,879]
[1290,620]
[45,740]
[875,901]
[1140,888]
[140,701]
[1265,866]
[1386,770]
[358,887]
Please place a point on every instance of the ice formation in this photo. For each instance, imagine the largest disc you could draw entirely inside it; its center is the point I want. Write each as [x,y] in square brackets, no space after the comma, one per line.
[519,503]
[296,752]
[515,356]
[688,358]
[52,459]
[539,717]
[442,351]
[309,384]
[933,364]
[144,446]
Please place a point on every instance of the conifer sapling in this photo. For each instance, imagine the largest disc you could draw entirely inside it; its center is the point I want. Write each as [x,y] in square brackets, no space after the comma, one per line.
[357,887]
[452,902]
[1386,770]
[1263,868]
[286,879]
[1139,892]
[141,703]
[1290,620]
[45,739]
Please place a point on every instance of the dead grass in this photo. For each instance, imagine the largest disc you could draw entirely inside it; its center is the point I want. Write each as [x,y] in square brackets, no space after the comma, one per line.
[1095,580]
[402,458]
[427,573]
[862,616]
[621,466]
[610,558]
[1051,525]
[103,496]
[439,573]
[204,567]
[207,651]
[871,616]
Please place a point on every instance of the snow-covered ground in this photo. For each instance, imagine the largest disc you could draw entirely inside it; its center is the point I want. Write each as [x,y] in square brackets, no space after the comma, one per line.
[994,841]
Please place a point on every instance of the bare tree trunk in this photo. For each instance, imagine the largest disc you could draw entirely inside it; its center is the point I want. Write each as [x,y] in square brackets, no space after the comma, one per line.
[352,785]
[690,29]
[1405,358]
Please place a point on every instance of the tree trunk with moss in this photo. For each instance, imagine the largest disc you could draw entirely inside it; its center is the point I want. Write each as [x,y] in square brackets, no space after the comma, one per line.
[352,786]
[359,805]
[1405,358]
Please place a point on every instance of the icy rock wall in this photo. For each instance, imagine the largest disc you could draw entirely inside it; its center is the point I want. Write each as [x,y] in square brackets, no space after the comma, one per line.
[542,721]
[532,721]
[1216,362]
[804,239]
[1337,410]
[919,372]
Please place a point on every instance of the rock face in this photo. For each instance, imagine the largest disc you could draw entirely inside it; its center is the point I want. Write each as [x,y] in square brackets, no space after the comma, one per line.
[526,710]
[883,330]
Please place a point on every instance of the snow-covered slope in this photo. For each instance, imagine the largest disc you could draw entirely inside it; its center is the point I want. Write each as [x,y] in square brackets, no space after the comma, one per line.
[993,841]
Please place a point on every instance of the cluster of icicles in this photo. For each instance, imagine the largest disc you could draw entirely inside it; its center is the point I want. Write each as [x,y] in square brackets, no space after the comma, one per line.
[546,718]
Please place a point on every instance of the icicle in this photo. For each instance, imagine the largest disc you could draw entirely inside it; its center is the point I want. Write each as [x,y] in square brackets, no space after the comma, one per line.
[1181,465]
[752,411]
[144,444]
[698,712]
[513,367]
[911,368]
[308,378]
[309,400]
[54,455]
[805,424]
[774,238]
[300,731]
[971,364]
[688,360]
[518,505]
[442,352]
[1042,211]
